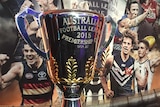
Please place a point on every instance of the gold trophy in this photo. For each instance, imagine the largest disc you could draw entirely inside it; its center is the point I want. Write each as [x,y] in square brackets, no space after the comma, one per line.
[71,39]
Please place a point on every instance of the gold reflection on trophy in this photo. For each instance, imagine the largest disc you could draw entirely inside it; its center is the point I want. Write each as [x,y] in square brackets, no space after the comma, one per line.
[104,56]
[72,69]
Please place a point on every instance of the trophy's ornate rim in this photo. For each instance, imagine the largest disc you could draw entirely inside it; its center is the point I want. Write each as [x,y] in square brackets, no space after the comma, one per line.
[73,10]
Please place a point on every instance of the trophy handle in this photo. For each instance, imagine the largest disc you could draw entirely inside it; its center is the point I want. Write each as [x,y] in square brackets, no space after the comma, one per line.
[105,44]
[20,23]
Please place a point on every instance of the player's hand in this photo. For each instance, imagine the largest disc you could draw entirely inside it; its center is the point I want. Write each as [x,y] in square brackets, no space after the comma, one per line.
[26,3]
[3,59]
[149,9]
[109,93]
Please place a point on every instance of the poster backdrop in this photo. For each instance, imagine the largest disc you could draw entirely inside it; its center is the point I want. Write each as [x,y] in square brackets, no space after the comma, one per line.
[109,9]
[100,6]
[113,10]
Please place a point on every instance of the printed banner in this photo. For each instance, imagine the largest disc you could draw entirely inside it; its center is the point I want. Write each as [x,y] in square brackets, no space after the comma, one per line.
[142,20]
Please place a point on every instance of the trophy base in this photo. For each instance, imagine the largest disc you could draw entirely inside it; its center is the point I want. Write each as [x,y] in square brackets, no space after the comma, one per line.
[71,102]
[72,95]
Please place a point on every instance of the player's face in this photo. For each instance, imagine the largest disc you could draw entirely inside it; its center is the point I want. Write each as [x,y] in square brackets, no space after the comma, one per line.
[30,55]
[134,9]
[142,50]
[126,45]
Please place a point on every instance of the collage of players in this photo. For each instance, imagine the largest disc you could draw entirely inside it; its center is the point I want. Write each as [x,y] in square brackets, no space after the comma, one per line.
[128,58]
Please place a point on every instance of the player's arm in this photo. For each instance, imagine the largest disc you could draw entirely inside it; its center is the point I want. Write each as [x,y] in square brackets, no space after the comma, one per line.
[3,60]
[139,19]
[155,62]
[15,70]
[103,73]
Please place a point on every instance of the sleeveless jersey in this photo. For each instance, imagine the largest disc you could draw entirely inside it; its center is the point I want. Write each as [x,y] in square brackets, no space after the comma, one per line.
[121,76]
[35,85]
[141,68]
[152,16]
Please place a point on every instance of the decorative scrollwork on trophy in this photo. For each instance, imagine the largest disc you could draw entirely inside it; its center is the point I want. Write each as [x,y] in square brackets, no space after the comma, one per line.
[72,68]
[54,68]
[88,70]
[104,56]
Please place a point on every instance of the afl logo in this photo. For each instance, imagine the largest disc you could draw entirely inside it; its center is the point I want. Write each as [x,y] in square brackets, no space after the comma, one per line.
[29,75]
[42,74]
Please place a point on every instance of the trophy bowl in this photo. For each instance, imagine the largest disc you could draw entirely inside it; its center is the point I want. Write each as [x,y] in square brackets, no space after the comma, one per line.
[71,39]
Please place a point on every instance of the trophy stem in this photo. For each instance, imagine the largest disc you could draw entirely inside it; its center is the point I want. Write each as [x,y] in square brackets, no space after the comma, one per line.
[71,102]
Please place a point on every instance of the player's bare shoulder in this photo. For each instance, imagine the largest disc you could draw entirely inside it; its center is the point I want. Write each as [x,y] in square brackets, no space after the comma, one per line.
[109,60]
